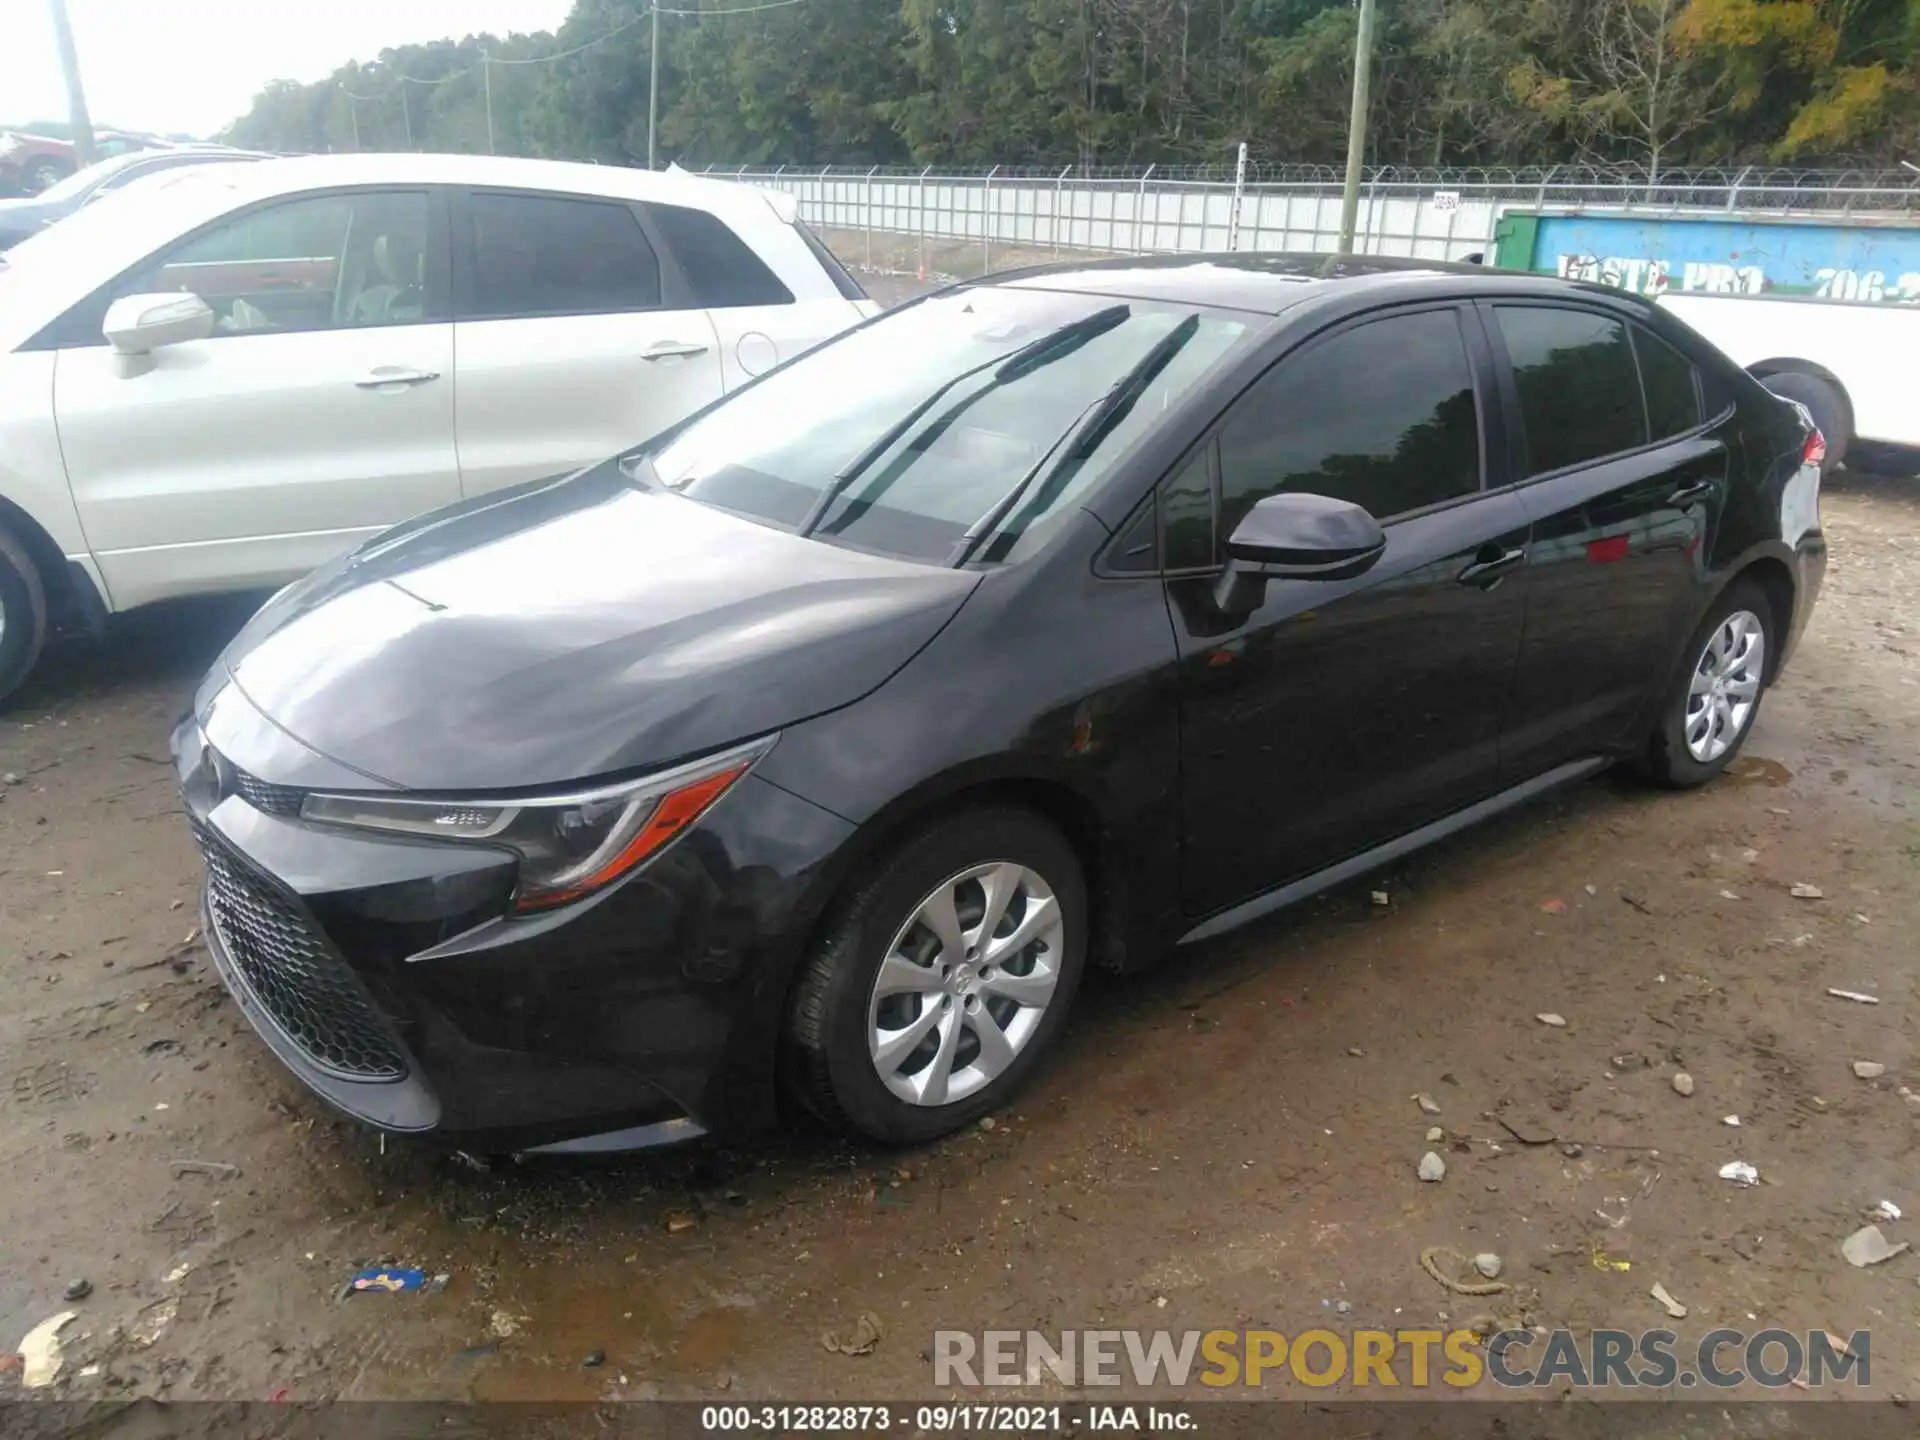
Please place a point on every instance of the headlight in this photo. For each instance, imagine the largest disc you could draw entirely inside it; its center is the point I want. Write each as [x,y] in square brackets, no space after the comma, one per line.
[569,845]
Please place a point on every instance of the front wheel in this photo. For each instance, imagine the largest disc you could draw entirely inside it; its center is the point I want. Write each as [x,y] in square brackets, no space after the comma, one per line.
[943,980]
[23,613]
[1711,706]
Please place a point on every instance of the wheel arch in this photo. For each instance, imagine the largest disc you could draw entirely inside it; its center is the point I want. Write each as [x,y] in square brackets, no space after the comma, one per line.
[1775,580]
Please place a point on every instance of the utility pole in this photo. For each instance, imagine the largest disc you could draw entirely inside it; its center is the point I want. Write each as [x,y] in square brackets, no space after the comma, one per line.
[653,88]
[76,97]
[1357,127]
[486,80]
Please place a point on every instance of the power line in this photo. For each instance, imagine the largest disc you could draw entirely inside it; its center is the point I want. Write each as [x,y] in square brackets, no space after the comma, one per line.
[562,55]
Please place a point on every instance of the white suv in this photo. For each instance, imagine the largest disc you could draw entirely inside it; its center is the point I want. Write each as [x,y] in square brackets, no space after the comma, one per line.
[223,379]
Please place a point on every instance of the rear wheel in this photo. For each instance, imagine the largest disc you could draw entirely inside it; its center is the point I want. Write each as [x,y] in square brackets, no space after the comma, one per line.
[44,174]
[23,613]
[1824,402]
[945,977]
[1711,705]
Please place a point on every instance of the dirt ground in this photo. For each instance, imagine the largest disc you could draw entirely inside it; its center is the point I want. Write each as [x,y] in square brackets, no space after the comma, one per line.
[1227,1141]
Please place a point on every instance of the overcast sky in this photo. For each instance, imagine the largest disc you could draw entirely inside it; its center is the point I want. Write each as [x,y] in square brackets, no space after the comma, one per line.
[194,65]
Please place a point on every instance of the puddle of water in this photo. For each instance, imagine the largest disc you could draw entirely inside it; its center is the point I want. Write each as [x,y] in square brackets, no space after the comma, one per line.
[1752,770]
[644,1334]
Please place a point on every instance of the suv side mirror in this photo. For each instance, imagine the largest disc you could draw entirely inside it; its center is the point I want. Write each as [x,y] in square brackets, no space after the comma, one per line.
[137,325]
[1296,536]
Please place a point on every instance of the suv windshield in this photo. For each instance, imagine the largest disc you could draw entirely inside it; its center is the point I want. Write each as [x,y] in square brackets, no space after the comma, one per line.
[903,435]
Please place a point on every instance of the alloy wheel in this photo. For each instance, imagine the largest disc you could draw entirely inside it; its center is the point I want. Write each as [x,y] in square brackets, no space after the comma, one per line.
[1725,687]
[965,983]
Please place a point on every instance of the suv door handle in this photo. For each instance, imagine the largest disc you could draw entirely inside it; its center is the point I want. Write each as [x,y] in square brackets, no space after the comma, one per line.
[672,350]
[395,375]
[1490,566]
[1687,494]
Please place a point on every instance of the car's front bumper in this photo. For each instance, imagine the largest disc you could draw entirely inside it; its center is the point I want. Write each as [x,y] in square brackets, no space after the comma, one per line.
[388,975]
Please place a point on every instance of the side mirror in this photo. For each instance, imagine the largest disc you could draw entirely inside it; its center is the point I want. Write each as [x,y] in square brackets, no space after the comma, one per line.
[1294,536]
[137,325]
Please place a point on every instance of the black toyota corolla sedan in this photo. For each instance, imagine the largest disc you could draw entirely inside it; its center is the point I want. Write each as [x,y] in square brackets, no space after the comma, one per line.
[812,750]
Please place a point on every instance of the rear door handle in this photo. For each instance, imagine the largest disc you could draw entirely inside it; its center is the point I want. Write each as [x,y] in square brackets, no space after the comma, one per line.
[1490,566]
[1688,494]
[672,350]
[395,375]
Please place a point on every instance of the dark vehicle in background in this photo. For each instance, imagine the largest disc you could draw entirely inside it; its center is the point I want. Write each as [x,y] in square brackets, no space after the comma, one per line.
[812,750]
[20,219]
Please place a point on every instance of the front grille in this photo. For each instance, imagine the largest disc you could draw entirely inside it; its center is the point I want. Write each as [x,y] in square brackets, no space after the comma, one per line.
[274,799]
[284,960]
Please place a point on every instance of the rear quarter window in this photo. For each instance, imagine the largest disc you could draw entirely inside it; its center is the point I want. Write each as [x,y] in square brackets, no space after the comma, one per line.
[720,266]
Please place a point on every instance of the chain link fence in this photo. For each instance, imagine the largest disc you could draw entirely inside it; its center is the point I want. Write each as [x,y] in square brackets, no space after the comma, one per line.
[966,222]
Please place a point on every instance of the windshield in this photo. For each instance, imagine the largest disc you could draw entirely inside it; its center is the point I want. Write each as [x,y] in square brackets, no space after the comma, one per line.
[915,477]
[81,181]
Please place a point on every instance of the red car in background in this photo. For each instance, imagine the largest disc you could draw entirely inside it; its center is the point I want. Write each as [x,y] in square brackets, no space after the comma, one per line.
[29,163]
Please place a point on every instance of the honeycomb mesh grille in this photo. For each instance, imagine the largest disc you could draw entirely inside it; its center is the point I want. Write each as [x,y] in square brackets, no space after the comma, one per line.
[293,972]
[274,799]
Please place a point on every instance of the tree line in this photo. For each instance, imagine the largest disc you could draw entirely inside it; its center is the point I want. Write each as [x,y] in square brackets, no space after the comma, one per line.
[1652,84]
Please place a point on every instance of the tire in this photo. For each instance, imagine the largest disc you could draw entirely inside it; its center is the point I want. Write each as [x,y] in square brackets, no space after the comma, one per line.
[45,174]
[837,1017]
[1825,403]
[23,613]
[1672,759]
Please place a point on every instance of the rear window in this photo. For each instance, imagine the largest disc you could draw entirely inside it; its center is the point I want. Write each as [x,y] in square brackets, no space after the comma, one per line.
[723,272]
[539,255]
[843,280]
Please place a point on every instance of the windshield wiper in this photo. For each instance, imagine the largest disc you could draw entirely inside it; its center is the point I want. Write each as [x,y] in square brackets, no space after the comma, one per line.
[1083,437]
[1024,361]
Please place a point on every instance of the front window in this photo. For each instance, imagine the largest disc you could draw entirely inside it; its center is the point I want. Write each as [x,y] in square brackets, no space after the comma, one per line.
[992,403]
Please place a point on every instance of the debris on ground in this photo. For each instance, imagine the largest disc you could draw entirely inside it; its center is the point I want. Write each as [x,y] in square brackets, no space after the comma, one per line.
[1682,1083]
[1432,1167]
[857,1339]
[1488,1264]
[1603,1261]
[218,1169]
[1733,1120]
[153,1322]
[393,1279]
[1356,1052]
[1453,1269]
[81,1288]
[987,1122]
[594,1359]
[1380,897]
[1428,1105]
[1571,1150]
[1807,892]
[503,1325]
[1559,1022]
[1869,1069]
[1887,1210]
[1553,907]
[680,1220]
[1740,1172]
[1435,1134]
[39,1351]
[1674,1307]
[1853,995]
[1867,1246]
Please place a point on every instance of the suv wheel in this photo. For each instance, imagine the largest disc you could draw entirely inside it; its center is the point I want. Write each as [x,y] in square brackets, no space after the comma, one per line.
[1712,703]
[944,979]
[23,613]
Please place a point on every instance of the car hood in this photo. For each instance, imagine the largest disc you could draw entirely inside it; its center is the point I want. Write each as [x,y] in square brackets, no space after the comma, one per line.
[576,629]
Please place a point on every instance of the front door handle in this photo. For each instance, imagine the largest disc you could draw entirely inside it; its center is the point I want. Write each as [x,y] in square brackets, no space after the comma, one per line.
[382,375]
[1490,566]
[1688,494]
[672,350]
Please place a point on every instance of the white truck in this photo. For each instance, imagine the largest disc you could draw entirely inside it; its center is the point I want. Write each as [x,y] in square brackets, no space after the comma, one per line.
[1855,365]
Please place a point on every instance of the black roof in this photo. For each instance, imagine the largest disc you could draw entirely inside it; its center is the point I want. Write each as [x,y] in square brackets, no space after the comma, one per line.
[1265,283]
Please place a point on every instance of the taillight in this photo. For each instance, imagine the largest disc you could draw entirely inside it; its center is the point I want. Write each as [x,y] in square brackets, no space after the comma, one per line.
[1814,452]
